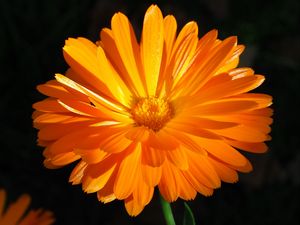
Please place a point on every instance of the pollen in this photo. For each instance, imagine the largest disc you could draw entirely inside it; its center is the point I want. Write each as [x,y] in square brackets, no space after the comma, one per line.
[152,112]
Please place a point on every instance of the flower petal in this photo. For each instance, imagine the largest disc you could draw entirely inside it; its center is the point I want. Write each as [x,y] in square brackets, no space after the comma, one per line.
[201,171]
[2,201]
[152,47]
[225,173]
[142,193]
[129,50]
[151,175]
[178,158]
[77,173]
[168,185]
[126,179]
[222,151]
[152,157]
[133,207]
[249,147]
[16,210]
[97,175]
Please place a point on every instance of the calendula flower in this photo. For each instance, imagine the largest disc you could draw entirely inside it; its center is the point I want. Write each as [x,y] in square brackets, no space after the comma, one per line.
[170,111]
[15,214]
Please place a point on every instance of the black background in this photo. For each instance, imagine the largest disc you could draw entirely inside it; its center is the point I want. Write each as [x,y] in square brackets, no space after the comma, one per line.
[32,35]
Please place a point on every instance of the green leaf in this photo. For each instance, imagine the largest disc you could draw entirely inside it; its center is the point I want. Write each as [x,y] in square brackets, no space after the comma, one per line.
[188,218]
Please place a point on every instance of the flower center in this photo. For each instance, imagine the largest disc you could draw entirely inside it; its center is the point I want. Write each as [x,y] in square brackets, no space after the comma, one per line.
[152,112]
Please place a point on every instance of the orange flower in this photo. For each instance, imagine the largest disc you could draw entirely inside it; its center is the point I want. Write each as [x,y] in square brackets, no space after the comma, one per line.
[15,214]
[170,111]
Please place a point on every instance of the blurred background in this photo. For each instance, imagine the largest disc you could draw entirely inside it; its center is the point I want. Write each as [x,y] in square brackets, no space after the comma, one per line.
[32,35]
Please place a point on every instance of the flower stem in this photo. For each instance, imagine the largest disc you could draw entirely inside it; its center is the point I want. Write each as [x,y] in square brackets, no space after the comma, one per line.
[167,211]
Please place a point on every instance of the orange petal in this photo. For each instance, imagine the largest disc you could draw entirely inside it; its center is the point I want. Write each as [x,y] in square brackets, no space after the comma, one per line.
[204,123]
[233,60]
[97,176]
[152,157]
[225,173]
[262,100]
[198,184]
[69,141]
[128,49]
[151,175]
[170,27]
[189,28]
[77,173]
[152,46]
[243,133]
[81,108]
[249,147]
[168,185]
[104,104]
[133,207]
[91,156]
[206,68]
[112,79]
[64,159]
[241,72]
[178,158]
[106,194]
[192,129]
[39,217]
[112,53]
[53,118]
[187,191]
[53,132]
[16,210]
[127,176]
[186,141]
[138,134]
[222,151]
[83,60]
[162,140]
[230,88]
[142,193]
[2,201]
[182,58]
[49,105]
[222,107]
[244,168]
[201,172]
[54,89]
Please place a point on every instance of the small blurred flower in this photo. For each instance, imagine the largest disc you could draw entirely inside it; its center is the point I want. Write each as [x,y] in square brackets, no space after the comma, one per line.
[170,111]
[16,213]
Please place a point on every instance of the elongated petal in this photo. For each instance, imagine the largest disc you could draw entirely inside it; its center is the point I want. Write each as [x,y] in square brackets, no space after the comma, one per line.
[168,186]
[153,157]
[178,158]
[97,176]
[133,207]
[2,201]
[152,46]
[126,179]
[143,193]
[170,27]
[151,175]
[77,173]
[225,173]
[222,151]
[16,210]
[201,171]
[128,49]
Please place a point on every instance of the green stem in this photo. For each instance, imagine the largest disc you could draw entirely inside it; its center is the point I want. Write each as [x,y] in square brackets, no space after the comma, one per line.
[167,211]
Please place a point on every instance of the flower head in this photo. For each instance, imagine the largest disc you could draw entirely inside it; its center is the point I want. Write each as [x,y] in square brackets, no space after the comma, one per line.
[15,213]
[171,111]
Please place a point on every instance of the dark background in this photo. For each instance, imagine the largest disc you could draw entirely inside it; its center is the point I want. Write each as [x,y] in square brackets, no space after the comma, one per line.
[31,40]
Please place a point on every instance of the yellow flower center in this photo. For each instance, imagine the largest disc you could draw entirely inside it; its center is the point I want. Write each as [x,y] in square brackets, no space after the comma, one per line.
[152,112]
